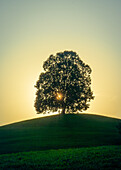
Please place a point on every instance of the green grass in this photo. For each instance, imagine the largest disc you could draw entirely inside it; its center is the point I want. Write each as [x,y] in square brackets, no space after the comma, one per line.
[57,132]
[103,157]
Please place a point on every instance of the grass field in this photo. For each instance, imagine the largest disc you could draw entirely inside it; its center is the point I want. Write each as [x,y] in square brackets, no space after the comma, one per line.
[57,132]
[103,157]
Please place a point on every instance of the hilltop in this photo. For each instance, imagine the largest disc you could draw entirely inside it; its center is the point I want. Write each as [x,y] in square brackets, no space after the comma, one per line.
[59,131]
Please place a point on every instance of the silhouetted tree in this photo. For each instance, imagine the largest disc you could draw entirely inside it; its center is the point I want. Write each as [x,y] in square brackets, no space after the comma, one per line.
[64,85]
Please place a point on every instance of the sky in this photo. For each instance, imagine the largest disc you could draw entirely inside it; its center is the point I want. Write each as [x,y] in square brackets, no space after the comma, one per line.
[31,30]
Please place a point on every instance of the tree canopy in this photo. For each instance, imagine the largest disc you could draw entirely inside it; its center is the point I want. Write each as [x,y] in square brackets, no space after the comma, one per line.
[64,85]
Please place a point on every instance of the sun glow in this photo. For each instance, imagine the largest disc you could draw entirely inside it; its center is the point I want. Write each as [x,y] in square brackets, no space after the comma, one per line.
[59,96]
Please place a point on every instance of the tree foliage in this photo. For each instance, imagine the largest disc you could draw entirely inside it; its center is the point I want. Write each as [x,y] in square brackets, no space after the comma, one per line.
[64,85]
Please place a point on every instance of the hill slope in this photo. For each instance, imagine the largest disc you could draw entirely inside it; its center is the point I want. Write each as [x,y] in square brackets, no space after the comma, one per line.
[101,157]
[59,131]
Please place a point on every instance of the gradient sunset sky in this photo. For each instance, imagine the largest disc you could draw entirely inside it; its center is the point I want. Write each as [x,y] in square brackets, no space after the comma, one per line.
[31,30]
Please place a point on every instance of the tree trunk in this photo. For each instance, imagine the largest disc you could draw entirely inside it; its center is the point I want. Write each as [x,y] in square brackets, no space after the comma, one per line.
[63,110]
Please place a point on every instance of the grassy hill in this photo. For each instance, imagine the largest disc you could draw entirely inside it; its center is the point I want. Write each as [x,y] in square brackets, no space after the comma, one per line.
[56,132]
[102,157]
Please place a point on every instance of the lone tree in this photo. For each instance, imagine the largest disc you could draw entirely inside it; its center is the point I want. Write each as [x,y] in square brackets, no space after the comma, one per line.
[64,85]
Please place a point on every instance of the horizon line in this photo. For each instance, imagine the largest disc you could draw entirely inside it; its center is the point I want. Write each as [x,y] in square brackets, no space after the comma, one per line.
[54,114]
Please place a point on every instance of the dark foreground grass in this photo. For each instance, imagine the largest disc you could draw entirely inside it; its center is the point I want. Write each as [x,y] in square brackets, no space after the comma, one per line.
[59,132]
[103,157]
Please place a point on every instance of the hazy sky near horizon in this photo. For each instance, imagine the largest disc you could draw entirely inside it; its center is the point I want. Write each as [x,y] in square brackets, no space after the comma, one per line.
[31,30]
